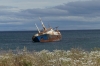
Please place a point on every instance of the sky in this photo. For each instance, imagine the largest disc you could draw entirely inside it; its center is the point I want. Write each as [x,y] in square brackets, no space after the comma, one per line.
[21,15]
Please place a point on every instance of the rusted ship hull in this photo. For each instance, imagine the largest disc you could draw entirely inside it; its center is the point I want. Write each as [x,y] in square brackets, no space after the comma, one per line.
[46,38]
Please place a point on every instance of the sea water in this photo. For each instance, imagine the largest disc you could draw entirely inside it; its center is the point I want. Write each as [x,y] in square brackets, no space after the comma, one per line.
[84,39]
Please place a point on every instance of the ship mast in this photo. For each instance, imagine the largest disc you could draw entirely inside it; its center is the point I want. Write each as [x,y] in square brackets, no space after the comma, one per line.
[44,28]
[37,28]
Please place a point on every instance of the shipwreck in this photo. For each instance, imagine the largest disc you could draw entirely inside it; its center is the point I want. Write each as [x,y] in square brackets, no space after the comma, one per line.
[47,34]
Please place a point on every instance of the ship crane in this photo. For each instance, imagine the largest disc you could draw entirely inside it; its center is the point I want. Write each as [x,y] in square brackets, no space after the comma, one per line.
[44,28]
[37,28]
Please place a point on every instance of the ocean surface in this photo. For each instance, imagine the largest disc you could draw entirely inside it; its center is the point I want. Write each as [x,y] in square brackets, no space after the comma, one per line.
[84,39]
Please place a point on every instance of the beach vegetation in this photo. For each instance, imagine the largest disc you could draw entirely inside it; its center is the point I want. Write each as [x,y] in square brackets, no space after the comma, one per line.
[72,57]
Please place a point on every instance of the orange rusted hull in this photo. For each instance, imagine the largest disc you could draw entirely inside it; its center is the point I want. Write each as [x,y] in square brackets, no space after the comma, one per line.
[52,38]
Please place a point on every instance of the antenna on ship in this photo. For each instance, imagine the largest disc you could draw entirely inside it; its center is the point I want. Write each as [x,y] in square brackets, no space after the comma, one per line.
[37,28]
[56,27]
[49,25]
[42,24]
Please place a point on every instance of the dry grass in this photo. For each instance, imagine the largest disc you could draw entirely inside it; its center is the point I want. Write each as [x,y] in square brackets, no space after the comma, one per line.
[73,57]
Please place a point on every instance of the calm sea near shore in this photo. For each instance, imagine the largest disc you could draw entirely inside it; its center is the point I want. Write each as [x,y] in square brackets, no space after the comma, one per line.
[84,39]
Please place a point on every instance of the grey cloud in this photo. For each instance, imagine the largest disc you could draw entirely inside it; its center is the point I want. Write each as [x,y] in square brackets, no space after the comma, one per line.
[73,13]
[77,8]
[43,12]
[82,8]
[5,7]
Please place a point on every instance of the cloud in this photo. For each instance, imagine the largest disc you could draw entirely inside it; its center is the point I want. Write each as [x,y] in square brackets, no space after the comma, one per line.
[78,8]
[81,8]
[70,15]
